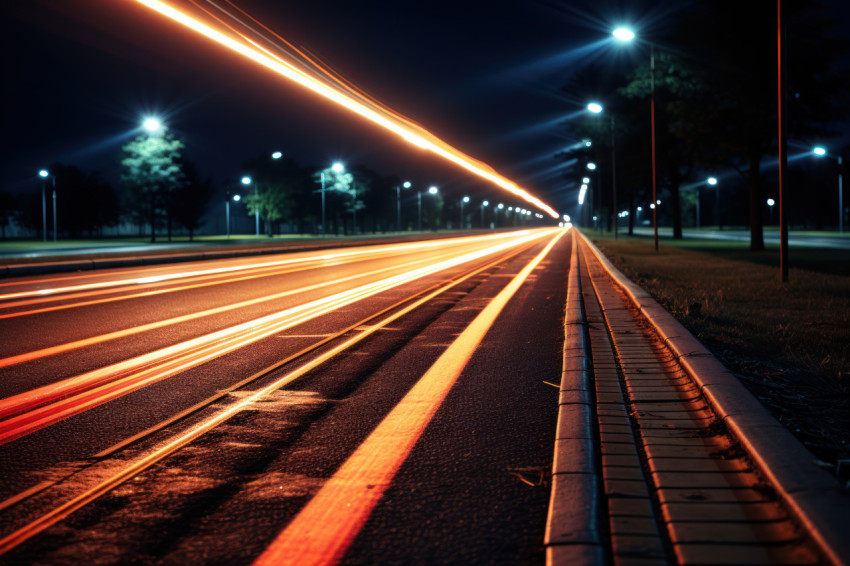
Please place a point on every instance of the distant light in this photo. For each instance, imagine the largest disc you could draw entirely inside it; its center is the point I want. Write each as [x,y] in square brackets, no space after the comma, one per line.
[406,184]
[711,180]
[658,202]
[584,187]
[770,202]
[43,173]
[338,167]
[595,218]
[465,199]
[246,180]
[591,166]
[501,206]
[277,155]
[510,208]
[237,198]
[623,34]
[594,107]
[485,203]
[652,206]
[819,151]
[432,190]
[586,180]
[567,217]
[152,124]
[588,143]
[640,209]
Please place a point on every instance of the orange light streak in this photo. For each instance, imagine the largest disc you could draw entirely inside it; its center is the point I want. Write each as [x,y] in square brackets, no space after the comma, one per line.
[43,406]
[317,81]
[378,250]
[325,528]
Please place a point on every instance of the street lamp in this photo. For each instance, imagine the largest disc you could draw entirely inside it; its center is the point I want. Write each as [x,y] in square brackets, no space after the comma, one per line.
[463,201]
[406,185]
[594,107]
[44,174]
[432,190]
[277,155]
[483,205]
[770,203]
[152,124]
[821,152]
[227,198]
[246,180]
[336,168]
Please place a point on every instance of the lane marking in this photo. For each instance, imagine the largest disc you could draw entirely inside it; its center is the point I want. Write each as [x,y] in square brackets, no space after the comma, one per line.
[41,407]
[325,528]
[75,502]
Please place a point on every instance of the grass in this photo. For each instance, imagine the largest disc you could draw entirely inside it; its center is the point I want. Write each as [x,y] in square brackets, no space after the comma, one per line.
[788,341]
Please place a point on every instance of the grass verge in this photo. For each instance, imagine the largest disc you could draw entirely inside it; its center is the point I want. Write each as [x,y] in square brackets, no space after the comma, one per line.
[789,343]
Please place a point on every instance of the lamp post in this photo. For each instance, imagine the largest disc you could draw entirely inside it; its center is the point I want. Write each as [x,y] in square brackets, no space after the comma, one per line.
[483,205]
[406,185]
[336,168]
[496,210]
[462,201]
[624,35]
[596,108]
[236,198]
[246,180]
[770,203]
[44,174]
[821,152]
[713,182]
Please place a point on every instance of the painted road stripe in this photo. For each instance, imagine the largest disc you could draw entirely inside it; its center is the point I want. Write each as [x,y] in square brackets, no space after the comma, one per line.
[328,524]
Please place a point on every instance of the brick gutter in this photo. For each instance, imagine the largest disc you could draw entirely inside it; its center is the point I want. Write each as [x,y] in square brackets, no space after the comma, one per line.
[813,496]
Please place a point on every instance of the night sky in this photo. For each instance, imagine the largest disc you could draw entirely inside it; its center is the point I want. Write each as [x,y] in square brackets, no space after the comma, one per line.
[79,75]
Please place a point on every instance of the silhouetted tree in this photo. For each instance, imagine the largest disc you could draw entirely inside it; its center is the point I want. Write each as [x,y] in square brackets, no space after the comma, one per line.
[191,199]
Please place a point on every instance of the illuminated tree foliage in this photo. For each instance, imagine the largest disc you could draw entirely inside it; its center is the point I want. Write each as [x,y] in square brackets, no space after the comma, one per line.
[151,173]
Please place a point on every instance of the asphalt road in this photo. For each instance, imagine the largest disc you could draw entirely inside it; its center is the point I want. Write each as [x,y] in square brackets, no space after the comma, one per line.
[92,359]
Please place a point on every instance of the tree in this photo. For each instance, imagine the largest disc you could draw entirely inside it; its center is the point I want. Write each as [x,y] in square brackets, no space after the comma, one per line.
[340,195]
[151,173]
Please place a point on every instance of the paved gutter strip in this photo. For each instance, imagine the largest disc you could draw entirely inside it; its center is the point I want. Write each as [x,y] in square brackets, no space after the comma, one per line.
[814,498]
[574,525]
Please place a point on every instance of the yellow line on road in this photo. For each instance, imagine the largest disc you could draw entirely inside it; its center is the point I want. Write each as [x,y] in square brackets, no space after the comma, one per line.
[325,528]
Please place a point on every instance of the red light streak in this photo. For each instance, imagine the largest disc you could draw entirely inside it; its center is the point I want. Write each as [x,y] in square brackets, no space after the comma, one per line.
[243,38]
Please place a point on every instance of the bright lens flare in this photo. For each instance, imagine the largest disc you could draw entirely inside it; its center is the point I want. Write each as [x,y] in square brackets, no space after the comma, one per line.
[240,33]
[623,34]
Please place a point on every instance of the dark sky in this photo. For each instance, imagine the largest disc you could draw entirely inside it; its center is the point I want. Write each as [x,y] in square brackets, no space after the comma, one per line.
[78,75]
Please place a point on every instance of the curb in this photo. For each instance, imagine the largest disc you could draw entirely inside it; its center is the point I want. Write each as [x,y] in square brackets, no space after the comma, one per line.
[573,534]
[814,497]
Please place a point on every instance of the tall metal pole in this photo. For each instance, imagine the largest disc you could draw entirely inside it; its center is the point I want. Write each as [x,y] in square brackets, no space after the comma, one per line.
[652,118]
[840,200]
[461,214]
[614,175]
[44,207]
[398,207]
[324,228]
[54,209]
[420,211]
[256,212]
[783,146]
[227,214]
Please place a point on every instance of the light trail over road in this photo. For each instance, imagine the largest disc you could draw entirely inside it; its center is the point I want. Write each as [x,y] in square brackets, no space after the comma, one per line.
[236,30]
[69,439]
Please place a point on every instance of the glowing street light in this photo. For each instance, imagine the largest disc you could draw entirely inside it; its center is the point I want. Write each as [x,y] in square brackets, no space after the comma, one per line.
[483,205]
[227,199]
[594,107]
[432,190]
[246,180]
[44,174]
[623,34]
[277,155]
[152,125]
[586,180]
[591,166]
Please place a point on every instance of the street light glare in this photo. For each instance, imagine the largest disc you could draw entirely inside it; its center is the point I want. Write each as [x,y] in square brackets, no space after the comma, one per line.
[338,167]
[594,107]
[711,180]
[152,124]
[237,198]
[432,190]
[770,202]
[277,155]
[623,34]
[591,166]
[43,173]
[586,180]
[485,203]
[406,184]
[819,151]
[465,199]
[246,180]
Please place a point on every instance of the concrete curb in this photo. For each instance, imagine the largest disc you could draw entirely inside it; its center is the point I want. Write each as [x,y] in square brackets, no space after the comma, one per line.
[573,533]
[817,500]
